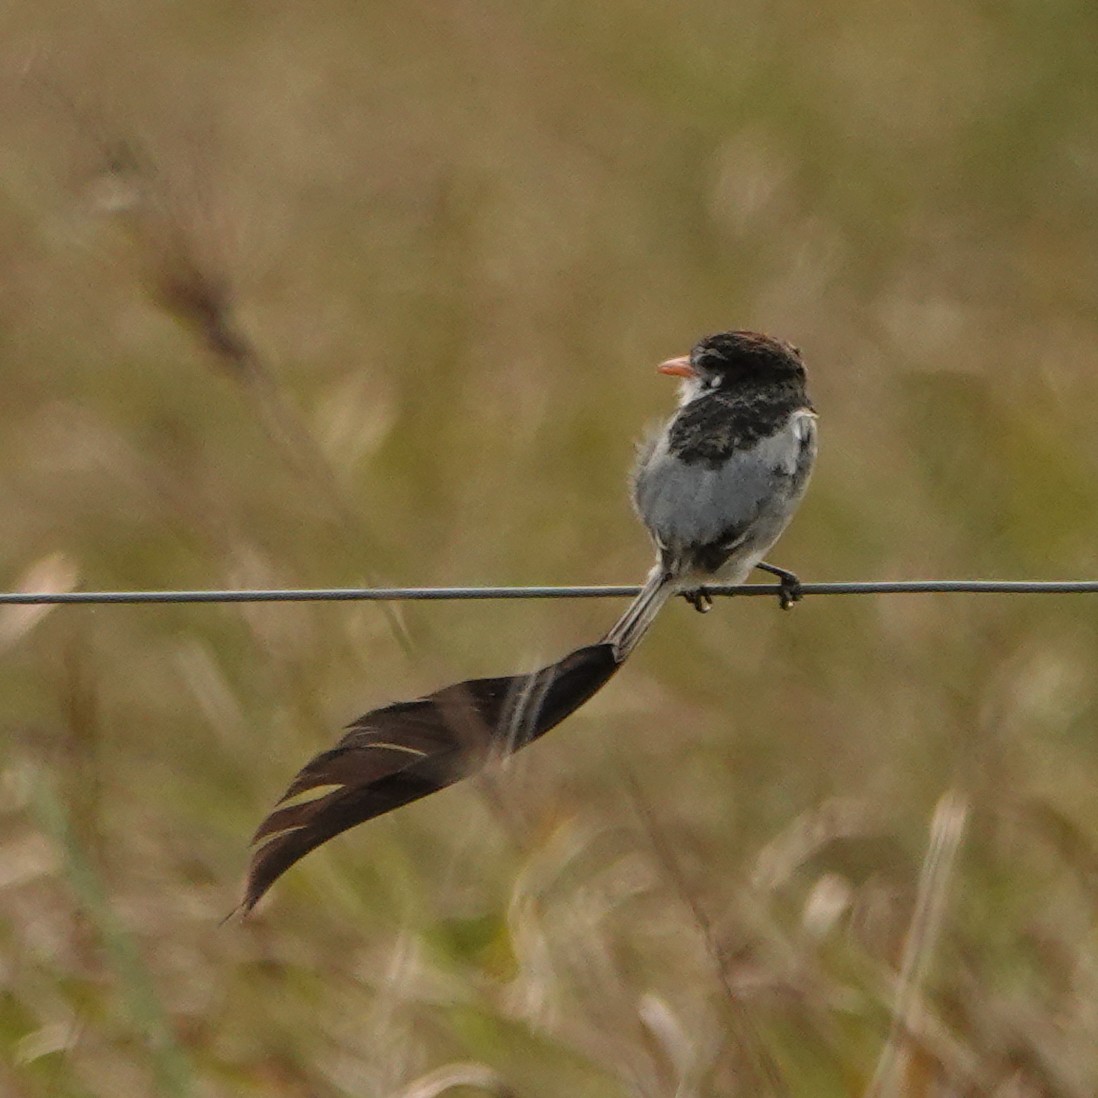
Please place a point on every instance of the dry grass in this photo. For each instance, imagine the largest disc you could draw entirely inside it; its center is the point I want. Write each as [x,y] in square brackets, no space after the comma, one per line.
[312,294]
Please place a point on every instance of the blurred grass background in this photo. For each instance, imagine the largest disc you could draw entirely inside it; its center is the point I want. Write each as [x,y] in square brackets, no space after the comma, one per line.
[325,294]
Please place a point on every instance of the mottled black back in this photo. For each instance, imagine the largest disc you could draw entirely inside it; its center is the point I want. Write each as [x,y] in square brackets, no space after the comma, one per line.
[722,420]
[751,385]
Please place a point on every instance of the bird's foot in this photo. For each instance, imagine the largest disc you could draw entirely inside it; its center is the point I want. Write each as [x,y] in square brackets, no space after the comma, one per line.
[700,599]
[789,584]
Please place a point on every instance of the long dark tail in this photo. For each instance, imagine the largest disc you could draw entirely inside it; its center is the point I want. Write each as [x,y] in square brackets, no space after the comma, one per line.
[634,623]
[401,752]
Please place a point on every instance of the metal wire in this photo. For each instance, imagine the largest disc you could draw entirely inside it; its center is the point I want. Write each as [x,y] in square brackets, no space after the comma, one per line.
[441,594]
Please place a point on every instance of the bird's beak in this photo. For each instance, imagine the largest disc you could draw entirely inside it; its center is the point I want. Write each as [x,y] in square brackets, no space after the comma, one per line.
[678,367]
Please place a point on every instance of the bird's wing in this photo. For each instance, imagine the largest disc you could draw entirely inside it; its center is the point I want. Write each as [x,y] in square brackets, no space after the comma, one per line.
[691,504]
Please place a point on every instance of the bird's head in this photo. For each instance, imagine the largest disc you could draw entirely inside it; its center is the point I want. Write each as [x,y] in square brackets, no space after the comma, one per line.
[736,360]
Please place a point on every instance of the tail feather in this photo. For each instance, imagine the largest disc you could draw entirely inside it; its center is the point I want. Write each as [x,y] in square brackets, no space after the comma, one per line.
[401,752]
[634,623]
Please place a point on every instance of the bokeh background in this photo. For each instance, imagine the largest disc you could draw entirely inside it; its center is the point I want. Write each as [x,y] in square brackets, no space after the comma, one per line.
[340,293]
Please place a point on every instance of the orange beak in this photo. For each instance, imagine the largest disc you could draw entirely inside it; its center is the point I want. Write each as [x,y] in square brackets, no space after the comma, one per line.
[678,367]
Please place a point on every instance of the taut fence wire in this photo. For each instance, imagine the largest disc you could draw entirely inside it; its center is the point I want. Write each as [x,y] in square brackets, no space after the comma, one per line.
[604,591]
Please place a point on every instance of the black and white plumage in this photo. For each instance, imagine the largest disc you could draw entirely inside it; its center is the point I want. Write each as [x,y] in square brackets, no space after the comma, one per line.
[715,488]
[718,484]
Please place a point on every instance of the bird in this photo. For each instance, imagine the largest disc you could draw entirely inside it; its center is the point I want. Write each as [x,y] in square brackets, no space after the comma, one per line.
[715,487]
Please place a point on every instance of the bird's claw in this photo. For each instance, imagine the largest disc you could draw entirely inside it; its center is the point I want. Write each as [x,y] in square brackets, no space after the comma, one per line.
[789,592]
[789,585]
[700,599]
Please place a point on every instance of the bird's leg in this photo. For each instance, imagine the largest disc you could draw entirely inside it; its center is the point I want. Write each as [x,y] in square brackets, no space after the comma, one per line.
[790,584]
[700,599]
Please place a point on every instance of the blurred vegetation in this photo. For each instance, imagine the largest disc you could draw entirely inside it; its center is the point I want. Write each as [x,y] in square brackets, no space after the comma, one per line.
[339,292]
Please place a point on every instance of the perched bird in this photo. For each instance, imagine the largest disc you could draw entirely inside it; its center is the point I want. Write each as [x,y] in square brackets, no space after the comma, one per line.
[718,484]
[715,487]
